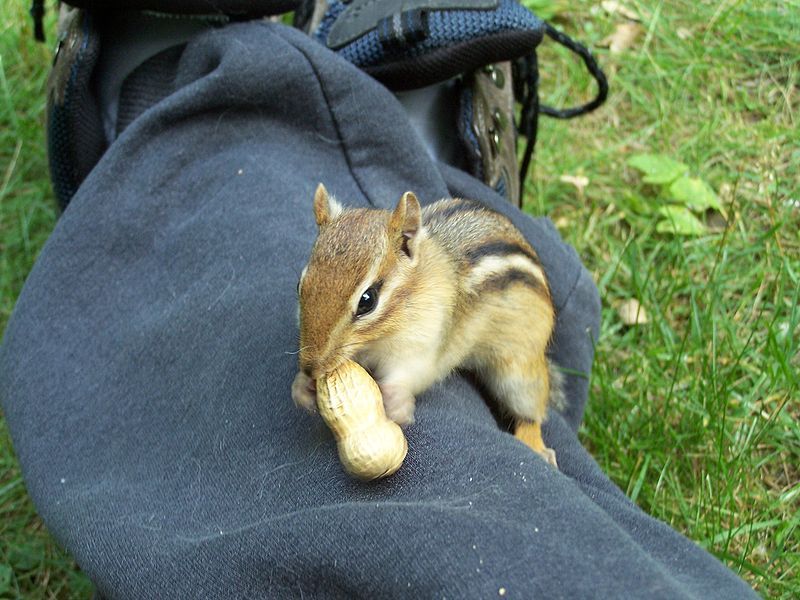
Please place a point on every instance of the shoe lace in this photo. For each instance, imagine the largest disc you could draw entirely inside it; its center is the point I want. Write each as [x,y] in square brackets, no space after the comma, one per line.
[37,14]
[526,91]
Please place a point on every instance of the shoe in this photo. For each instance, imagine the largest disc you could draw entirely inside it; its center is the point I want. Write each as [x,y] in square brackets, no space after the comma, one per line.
[75,137]
[99,52]
[488,47]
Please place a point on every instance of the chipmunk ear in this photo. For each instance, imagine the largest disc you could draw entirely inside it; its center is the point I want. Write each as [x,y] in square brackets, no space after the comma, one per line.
[406,221]
[326,208]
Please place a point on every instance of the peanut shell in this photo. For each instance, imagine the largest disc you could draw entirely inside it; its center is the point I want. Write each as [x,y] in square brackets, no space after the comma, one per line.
[349,401]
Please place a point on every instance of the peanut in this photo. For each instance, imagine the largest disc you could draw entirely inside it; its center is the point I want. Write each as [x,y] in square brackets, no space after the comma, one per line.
[370,445]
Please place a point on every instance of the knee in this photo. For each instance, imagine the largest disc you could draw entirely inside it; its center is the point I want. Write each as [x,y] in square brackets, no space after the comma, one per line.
[582,303]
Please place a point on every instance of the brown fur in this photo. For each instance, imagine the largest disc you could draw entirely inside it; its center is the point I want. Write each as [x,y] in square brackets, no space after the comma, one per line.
[460,287]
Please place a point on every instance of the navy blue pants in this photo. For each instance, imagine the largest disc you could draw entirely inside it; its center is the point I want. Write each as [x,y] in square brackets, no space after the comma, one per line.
[145,374]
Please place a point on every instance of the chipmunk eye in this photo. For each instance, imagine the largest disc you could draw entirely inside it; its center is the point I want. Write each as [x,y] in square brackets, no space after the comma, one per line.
[368,301]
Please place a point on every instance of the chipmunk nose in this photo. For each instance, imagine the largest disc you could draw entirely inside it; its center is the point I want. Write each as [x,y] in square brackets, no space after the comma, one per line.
[304,363]
[314,370]
[315,365]
[309,367]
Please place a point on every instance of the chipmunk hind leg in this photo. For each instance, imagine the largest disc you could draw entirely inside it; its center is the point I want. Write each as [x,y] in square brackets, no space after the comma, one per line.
[518,375]
[521,384]
[530,434]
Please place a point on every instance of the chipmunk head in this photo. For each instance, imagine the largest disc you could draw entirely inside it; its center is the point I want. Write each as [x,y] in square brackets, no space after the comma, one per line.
[354,289]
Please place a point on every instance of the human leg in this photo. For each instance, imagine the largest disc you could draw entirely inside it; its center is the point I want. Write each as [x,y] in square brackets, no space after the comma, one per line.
[161,444]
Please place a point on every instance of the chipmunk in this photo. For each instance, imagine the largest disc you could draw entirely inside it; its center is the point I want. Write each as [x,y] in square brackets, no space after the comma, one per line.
[413,294]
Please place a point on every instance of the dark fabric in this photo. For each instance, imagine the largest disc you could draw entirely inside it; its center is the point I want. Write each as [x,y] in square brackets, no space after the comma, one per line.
[145,372]
[443,63]
[75,136]
[149,83]
[361,16]
[235,8]
[456,40]
[401,30]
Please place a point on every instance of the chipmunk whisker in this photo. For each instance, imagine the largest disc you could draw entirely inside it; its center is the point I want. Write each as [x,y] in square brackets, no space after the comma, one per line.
[298,351]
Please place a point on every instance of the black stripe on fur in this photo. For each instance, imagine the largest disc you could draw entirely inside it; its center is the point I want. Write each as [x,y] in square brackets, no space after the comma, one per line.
[499,248]
[504,280]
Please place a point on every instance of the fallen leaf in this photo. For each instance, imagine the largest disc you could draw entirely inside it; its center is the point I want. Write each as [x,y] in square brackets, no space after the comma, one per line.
[622,38]
[632,313]
[562,223]
[579,181]
[617,8]
[726,192]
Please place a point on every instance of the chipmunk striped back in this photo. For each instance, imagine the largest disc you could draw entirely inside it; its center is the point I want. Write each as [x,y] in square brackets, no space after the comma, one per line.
[490,252]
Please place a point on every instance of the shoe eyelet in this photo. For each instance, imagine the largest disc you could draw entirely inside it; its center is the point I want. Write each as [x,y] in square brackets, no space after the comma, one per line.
[499,120]
[494,141]
[496,75]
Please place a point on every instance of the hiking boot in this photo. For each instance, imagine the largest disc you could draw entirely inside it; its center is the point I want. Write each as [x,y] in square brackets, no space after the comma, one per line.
[484,49]
[99,52]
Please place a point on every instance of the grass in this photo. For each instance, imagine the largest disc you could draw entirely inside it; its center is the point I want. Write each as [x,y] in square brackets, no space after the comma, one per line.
[31,565]
[694,414]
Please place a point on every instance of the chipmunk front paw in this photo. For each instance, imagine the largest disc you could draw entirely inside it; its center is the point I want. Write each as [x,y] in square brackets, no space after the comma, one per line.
[398,403]
[304,392]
